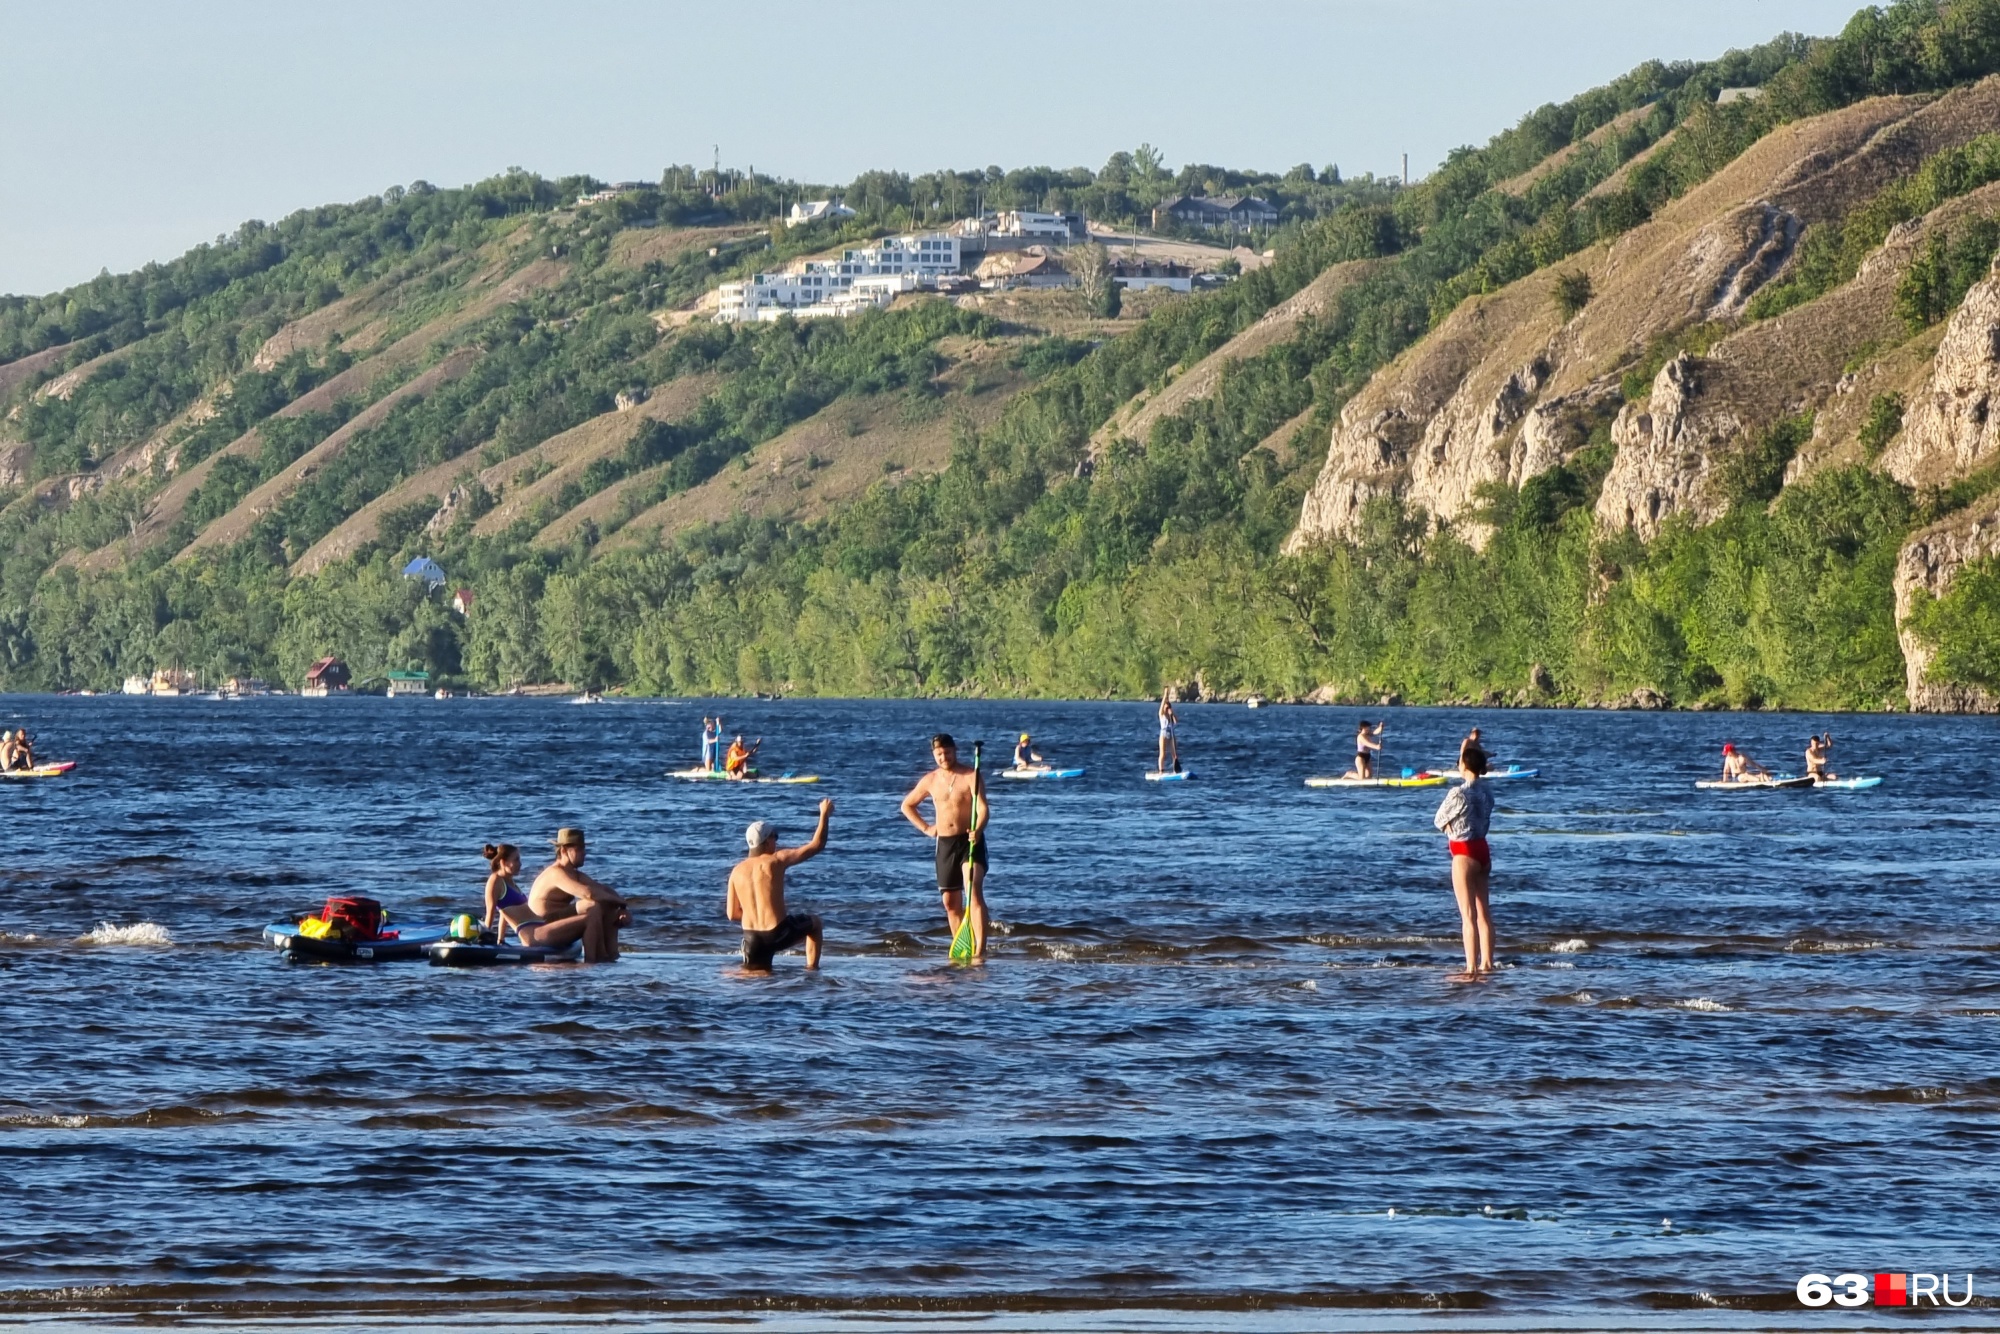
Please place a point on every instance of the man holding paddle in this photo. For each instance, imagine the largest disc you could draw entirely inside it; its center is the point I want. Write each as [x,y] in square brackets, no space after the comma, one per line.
[957,794]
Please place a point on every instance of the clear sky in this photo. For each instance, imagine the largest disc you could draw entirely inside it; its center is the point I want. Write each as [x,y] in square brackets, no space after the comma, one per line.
[133,129]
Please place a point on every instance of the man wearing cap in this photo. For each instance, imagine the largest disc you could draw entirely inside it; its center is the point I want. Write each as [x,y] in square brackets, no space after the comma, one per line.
[757,895]
[563,894]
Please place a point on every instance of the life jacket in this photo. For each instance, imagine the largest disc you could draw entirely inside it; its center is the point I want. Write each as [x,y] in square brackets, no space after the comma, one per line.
[352,918]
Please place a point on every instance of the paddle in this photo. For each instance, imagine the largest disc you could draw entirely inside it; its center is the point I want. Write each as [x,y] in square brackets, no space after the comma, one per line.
[962,944]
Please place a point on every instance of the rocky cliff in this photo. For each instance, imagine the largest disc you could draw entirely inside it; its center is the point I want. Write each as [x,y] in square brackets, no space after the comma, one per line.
[1505,388]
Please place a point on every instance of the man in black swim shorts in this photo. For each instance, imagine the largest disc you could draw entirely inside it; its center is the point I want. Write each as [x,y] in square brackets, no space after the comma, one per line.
[757,895]
[961,848]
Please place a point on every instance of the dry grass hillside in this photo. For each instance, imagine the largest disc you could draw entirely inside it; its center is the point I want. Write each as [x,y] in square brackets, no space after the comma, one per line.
[830,458]
[1135,420]
[1506,388]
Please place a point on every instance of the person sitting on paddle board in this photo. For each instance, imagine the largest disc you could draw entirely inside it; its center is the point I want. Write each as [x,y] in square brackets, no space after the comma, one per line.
[569,905]
[9,752]
[711,743]
[756,896]
[1818,750]
[505,903]
[23,756]
[1737,767]
[1024,754]
[1170,722]
[737,762]
[1367,741]
[1464,816]
[961,849]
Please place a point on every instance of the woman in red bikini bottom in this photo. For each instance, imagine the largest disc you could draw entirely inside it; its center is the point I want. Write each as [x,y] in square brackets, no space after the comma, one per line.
[1466,812]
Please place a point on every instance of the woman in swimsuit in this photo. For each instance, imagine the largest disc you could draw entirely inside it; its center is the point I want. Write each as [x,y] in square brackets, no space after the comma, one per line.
[1169,741]
[1464,818]
[504,899]
[1367,740]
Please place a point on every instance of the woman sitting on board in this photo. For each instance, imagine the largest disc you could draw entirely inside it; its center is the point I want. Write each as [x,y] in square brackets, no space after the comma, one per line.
[1464,817]
[19,752]
[1024,754]
[506,905]
[1367,740]
[737,762]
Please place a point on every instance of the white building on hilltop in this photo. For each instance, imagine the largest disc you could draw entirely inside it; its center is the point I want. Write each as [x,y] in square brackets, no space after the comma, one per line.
[812,210]
[863,279]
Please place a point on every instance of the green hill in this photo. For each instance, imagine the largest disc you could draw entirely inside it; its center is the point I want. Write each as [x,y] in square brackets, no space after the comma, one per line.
[1662,388]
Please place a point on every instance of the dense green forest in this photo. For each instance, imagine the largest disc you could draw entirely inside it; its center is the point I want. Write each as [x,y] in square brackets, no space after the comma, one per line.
[1030,565]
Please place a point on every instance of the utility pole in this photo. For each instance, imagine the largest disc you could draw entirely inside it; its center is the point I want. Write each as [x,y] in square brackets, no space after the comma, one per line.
[1406,168]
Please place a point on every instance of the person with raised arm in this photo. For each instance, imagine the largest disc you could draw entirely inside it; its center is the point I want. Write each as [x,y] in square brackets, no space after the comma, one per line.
[756,895]
[1464,817]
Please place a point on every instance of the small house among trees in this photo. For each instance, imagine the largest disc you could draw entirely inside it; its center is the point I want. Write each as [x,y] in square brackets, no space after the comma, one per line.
[1234,212]
[326,677]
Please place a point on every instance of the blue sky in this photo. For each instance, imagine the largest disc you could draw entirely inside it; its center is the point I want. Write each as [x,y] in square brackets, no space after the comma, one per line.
[131,131]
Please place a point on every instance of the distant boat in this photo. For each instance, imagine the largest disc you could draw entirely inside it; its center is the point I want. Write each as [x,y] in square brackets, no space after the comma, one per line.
[1256,702]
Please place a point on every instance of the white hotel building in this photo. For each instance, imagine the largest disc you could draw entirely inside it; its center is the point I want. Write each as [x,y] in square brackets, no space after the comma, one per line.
[864,279]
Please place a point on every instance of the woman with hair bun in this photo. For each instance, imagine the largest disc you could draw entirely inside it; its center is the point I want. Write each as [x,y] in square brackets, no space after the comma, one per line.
[506,905]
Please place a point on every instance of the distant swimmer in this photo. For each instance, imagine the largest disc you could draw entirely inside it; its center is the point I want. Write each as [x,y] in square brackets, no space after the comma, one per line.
[757,895]
[1737,767]
[1170,743]
[1024,755]
[1464,816]
[961,847]
[737,762]
[1367,743]
[1819,749]
[569,905]
[711,743]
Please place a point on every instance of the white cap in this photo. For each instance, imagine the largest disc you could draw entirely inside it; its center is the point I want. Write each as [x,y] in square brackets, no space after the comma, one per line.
[755,835]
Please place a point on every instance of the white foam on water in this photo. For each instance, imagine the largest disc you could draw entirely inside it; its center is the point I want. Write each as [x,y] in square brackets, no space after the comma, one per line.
[9,938]
[59,1122]
[1575,945]
[1062,952]
[138,933]
[1705,1005]
[1309,985]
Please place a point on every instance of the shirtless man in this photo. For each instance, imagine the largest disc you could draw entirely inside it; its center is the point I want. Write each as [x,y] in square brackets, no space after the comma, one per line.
[1736,766]
[1818,750]
[576,906]
[757,896]
[961,856]
[8,751]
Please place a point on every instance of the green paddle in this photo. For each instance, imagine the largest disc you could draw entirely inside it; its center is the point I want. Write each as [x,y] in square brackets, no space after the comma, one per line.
[962,944]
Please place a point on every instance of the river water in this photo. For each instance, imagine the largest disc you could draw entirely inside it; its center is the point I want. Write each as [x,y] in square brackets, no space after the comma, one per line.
[1215,1065]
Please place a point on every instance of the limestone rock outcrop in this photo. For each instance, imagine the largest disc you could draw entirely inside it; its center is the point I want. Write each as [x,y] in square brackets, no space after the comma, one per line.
[1928,562]
[1952,426]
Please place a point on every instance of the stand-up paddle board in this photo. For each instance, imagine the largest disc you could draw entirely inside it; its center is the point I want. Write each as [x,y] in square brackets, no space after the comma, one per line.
[717,776]
[41,771]
[1173,776]
[1414,780]
[1036,771]
[1847,784]
[474,954]
[1753,784]
[963,943]
[402,944]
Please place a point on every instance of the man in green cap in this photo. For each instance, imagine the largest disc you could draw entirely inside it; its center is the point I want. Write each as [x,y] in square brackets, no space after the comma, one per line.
[563,895]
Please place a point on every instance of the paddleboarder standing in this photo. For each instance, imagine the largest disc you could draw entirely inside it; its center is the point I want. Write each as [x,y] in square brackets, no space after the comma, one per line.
[1170,744]
[954,790]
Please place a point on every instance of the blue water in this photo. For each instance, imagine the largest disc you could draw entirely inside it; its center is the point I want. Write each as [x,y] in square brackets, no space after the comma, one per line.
[1215,1064]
